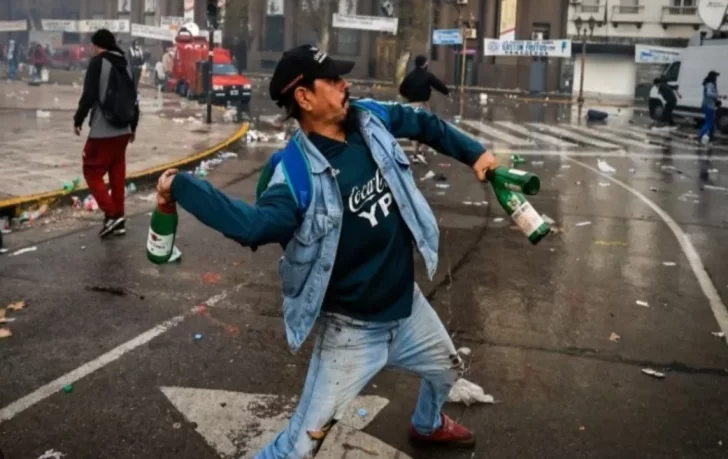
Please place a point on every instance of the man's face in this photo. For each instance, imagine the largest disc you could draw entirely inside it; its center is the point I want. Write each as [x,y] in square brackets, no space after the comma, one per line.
[329,100]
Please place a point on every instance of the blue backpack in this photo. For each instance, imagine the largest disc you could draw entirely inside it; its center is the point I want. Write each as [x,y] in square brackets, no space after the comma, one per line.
[295,165]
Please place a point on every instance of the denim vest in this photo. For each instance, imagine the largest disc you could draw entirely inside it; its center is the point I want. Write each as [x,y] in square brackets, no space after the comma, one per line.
[306,267]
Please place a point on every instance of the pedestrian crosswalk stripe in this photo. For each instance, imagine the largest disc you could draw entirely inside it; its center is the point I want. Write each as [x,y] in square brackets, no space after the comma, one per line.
[574,136]
[497,134]
[536,135]
[617,138]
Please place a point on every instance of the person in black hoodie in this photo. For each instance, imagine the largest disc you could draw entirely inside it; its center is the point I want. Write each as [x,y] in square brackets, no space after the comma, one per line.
[417,86]
[110,133]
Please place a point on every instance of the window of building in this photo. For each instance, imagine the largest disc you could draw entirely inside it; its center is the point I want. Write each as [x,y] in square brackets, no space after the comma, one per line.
[346,41]
[275,26]
[629,6]
[590,6]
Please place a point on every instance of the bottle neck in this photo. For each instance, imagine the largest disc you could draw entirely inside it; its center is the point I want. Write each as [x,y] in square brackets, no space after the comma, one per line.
[169,208]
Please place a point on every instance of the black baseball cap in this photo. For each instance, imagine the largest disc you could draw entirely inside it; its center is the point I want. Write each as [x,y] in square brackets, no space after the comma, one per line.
[303,64]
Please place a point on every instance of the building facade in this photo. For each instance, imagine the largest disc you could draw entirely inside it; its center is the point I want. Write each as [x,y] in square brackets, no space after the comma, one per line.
[610,68]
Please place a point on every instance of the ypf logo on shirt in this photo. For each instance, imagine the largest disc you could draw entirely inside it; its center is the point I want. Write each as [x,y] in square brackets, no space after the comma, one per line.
[365,200]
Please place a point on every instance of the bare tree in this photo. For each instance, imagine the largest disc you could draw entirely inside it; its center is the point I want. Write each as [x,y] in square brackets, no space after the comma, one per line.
[33,10]
[413,27]
[316,14]
[240,18]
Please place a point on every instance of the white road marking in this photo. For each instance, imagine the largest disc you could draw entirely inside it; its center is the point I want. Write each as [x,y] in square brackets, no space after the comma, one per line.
[10,411]
[716,303]
[574,136]
[497,133]
[536,135]
[616,138]
[239,424]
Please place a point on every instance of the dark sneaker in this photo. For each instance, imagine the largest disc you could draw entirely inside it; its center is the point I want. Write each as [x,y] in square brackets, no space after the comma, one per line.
[450,434]
[120,229]
[110,224]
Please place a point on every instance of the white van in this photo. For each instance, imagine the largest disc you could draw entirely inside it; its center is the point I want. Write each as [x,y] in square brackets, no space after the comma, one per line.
[687,73]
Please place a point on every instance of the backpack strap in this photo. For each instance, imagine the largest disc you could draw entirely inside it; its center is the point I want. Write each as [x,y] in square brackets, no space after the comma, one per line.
[297,171]
[374,107]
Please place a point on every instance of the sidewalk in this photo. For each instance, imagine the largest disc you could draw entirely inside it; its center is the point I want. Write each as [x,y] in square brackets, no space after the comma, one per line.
[41,152]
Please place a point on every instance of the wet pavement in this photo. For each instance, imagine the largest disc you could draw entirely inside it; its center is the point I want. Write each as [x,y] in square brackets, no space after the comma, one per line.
[40,151]
[560,332]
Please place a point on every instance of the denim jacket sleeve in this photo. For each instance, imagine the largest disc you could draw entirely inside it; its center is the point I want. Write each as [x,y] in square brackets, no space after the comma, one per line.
[273,219]
[421,125]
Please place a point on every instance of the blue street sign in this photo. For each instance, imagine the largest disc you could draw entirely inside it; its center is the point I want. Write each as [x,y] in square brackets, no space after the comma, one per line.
[447,37]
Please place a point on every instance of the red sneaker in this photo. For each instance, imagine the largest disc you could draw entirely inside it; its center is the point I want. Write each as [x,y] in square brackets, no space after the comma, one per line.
[450,434]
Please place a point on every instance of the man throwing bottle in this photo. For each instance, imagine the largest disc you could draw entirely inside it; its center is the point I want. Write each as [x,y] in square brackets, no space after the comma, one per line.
[342,200]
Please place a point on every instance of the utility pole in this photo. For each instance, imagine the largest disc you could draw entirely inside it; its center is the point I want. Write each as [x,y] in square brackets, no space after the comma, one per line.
[212,23]
[582,33]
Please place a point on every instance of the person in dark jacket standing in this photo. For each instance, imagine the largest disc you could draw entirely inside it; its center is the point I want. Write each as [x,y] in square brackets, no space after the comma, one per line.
[136,60]
[105,149]
[417,86]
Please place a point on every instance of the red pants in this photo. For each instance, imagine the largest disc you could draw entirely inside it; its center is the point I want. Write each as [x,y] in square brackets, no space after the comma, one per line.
[101,157]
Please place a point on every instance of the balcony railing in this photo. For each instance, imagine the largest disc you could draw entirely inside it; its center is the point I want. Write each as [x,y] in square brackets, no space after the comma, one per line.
[680,15]
[627,14]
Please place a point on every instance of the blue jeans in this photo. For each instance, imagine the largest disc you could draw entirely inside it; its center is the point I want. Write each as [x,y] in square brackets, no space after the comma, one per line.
[709,124]
[348,353]
[12,70]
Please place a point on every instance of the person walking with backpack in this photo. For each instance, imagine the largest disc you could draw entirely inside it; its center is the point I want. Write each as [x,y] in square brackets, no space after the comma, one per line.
[711,102]
[109,94]
[341,198]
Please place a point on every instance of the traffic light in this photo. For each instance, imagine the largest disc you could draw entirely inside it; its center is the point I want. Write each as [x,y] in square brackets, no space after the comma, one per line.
[212,12]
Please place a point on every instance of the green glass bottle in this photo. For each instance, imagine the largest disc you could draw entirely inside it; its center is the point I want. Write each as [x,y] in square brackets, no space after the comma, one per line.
[515,180]
[522,213]
[162,233]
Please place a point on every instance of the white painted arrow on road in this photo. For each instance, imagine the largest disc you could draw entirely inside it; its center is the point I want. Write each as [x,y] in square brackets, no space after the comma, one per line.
[238,424]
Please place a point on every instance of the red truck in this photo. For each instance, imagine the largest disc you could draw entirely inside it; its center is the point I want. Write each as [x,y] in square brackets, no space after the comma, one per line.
[189,73]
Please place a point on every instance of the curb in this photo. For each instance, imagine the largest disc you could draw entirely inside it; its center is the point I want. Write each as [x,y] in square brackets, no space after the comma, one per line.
[51,196]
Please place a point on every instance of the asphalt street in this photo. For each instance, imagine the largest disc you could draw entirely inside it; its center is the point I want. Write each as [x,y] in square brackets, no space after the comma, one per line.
[158,359]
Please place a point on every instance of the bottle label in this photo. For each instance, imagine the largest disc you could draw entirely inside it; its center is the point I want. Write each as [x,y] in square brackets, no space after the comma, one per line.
[516,172]
[527,219]
[160,245]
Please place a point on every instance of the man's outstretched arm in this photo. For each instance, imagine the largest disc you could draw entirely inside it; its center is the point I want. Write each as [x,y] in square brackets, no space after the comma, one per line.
[423,126]
[273,219]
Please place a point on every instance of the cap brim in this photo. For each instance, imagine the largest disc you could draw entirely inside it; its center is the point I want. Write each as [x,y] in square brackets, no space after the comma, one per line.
[336,68]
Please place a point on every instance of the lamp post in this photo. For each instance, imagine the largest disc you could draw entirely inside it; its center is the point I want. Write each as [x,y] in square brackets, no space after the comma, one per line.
[581,32]
[212,24]
[463,58]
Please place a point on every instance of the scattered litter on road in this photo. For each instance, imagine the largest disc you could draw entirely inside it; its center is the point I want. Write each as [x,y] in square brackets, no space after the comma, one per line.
[16,306]
[176,255]
[475,203]
[537,163]
[463,391]
[464,351]
[5,333]
[670,168]
[689,195]
[587,223]
[198,336]
[151,197]
[712,171]
[633,170]
[443,186]
[498,219]
[653,373]
[604,167]
[22,251]
[427,176]
[51,454]
[604,184]
[177,425]
[130,189]
[652,188]
[566,166]
[34,215]
[444,165]
[610,243]
[614,337]
[68,388]
[42,114]
[517,160]
[72,184]
[211,278]
[362,412]
[90,204]
[644,304]
[669,263]
[419,159]
[718,334]
[230,115]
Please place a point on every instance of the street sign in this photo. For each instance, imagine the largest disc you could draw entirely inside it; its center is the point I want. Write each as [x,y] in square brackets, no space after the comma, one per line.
[152,32]
[13,26]
[447,37]
[239,424]
[113,25]
[361,22]
[644,54]
[544,48]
